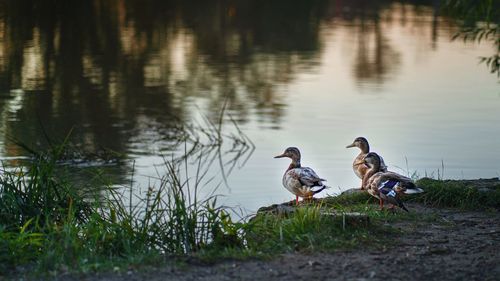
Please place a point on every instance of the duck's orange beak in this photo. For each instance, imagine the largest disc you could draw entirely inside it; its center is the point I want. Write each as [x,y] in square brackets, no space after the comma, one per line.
[280,156]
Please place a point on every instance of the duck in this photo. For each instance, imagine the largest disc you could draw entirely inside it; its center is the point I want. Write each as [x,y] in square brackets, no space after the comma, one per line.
[358,165]
[301,181]
[386,186]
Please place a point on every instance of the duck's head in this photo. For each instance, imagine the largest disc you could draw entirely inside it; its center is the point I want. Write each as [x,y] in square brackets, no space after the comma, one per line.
[372,160]
[291,152]
[361,143]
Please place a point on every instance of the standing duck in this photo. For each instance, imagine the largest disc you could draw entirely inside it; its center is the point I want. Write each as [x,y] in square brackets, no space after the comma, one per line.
[386,186]
[358,165]
[301,181]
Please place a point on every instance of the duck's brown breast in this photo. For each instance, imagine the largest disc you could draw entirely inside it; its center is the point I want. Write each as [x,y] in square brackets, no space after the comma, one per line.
[359,168]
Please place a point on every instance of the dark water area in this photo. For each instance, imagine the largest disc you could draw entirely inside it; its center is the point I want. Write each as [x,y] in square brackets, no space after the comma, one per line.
[126,75]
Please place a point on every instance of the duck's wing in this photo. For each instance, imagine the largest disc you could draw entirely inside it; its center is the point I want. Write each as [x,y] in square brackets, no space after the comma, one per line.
[393,177]
[308,177]
[388,185]
[397,182]
[303,182]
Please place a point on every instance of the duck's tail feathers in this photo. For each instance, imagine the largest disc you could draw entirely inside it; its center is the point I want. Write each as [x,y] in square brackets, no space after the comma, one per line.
[413,190]
[320,188]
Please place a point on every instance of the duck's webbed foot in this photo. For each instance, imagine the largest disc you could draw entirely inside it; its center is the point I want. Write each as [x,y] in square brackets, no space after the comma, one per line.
[308,199]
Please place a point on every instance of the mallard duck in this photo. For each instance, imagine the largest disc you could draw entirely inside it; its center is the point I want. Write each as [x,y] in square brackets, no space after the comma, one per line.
[301,181]
[386,186]
[358,165]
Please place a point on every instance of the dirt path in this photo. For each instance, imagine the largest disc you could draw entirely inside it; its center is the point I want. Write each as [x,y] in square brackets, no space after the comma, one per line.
[465,246]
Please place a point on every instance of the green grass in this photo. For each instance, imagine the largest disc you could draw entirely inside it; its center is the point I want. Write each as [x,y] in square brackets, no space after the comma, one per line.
[457,194]
[18,247]
[349,199]
[465,195]
[304,230]
[50,225]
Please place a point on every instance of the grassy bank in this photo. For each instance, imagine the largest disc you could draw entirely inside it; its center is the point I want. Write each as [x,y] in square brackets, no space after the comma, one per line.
[49,225]
[480,194]
[463,194]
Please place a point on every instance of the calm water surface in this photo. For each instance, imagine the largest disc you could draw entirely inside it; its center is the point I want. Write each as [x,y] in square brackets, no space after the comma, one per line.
[313,74]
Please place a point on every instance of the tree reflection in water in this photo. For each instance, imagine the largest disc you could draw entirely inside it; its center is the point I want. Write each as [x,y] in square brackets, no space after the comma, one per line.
[124,73]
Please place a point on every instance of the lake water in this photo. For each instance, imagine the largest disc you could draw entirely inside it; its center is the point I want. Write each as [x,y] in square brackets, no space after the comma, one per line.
[124,75]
